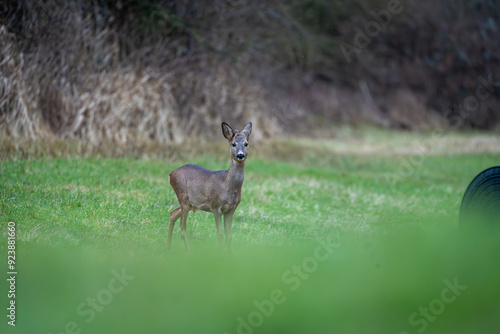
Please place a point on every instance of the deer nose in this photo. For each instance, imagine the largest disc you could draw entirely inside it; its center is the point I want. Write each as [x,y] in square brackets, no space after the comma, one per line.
[240,156]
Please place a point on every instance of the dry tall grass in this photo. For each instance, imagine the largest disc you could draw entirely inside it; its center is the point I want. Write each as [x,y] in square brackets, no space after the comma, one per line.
[165,71]
[120,104]
[75,79]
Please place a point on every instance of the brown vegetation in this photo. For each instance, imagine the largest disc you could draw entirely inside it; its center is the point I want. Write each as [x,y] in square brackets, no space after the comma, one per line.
[132,71]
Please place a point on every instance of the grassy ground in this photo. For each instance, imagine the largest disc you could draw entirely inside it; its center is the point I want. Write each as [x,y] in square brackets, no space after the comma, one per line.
[353,235]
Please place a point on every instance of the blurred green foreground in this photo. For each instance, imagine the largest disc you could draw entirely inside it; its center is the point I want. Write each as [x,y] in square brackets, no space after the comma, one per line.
[405,283]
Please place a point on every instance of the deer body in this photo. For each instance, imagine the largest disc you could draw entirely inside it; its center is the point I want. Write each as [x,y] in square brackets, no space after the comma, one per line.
[207,190]
[217,192]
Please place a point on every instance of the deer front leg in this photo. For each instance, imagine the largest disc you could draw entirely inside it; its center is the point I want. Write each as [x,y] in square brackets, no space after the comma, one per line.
[228,222]
[218,218]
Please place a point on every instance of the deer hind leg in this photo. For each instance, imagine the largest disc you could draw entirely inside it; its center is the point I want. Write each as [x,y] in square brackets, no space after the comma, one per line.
[174,215]
[184,215]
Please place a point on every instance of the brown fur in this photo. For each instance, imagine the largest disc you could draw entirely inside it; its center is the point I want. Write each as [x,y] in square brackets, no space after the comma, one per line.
[217,192]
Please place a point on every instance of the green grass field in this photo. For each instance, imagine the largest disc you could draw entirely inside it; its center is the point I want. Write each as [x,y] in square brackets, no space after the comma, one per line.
[353,235]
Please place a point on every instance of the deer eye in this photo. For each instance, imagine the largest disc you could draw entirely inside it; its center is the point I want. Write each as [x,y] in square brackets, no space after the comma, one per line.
[246,144]
[234,144]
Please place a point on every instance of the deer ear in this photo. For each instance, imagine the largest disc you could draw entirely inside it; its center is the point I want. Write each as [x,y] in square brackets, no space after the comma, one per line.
[247,130]
[227,131]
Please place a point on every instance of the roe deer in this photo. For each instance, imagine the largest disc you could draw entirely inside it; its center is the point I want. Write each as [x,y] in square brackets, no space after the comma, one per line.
[219,192]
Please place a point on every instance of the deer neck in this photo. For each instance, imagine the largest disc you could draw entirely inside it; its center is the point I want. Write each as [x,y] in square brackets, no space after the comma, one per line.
[235,174]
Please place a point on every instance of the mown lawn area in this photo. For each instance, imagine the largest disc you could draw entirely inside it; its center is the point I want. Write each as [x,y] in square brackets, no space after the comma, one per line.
[328,238]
